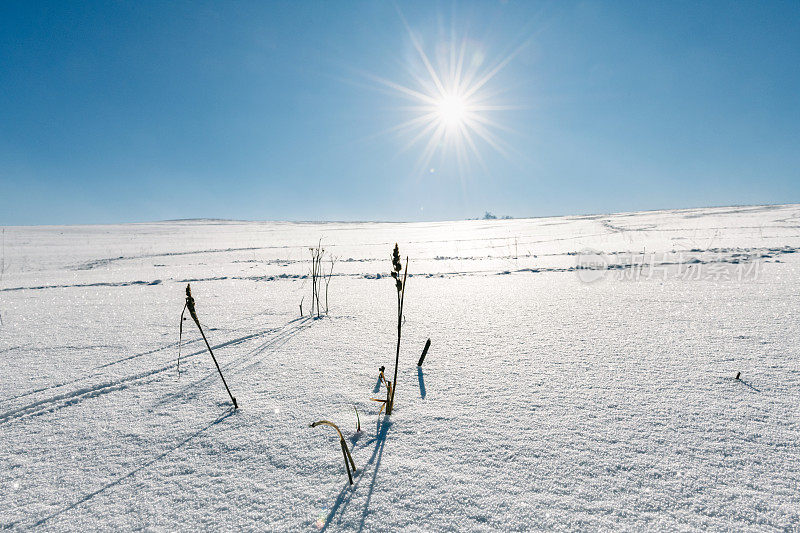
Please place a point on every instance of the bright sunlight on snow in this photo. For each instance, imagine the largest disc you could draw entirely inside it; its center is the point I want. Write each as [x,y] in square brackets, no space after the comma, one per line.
[582,374]
[245,284]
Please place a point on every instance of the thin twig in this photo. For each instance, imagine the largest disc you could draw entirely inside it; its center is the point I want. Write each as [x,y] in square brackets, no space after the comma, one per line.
[193,313]
[328,281]
[401,296]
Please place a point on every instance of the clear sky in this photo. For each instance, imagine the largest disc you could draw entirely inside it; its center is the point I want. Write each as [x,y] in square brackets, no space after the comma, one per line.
[137,111]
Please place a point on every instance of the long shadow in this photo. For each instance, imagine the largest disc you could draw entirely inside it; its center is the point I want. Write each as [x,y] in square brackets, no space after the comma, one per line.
[273,344]
[93,369]
[133,472]
[377,455]
[192,389]
[231,342]
[421,378]
[105,387]
[71,398]
[743,382]
[128,358]
[346,494]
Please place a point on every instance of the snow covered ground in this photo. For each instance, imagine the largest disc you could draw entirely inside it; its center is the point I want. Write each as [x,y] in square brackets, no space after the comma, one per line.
[581,375]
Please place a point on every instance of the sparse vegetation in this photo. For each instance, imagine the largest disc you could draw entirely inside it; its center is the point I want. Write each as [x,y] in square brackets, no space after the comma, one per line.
[190,306]
[319,278]
[316,269]
[400,285]
[348,459]
[388,385]
[328,277]
[424,353]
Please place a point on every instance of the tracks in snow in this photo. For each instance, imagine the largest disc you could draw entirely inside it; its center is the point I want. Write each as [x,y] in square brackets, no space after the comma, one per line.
[75,396]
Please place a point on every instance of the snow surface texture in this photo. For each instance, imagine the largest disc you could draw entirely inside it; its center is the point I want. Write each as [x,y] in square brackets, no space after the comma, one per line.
[565,389]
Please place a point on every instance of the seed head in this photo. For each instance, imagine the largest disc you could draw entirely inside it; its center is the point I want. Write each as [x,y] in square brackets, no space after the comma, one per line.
[396,259]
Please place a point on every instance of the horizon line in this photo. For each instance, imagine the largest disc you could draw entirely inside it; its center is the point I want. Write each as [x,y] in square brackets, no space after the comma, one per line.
[476,219]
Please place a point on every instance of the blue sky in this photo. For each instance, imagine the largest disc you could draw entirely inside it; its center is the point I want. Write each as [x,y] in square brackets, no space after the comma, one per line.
[137,111]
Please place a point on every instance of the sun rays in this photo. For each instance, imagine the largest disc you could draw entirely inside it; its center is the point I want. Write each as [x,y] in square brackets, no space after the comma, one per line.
[452,102]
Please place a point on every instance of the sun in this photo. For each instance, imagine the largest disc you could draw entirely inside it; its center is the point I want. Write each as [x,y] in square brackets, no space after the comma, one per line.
[453,103]
[452,110]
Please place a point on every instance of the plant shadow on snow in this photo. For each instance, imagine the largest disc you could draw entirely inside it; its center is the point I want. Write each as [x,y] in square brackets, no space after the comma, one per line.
[57,401]
[347,492]
[92,371]
[133,472]
[421,377]
[743,382]
[738,380]
[281,336]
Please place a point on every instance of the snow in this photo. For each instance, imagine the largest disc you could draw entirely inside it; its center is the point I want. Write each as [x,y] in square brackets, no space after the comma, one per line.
[545,401]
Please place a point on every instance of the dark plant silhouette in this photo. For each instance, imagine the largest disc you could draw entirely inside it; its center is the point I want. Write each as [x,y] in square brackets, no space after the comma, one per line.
[424,353]
[316,275]
[319,277]
[400,285]
[193,313]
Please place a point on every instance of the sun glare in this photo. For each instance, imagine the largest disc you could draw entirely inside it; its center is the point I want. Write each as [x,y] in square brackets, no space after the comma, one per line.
[453,108]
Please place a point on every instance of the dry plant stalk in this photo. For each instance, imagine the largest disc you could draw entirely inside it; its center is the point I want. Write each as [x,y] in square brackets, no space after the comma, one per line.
[319,276]
[389,390]
[190,306]
[424,353]
[348,459]
[328,280]
[316,275]
[401,292]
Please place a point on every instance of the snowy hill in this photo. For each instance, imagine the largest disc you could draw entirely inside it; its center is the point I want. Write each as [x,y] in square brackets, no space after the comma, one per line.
[581,375]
